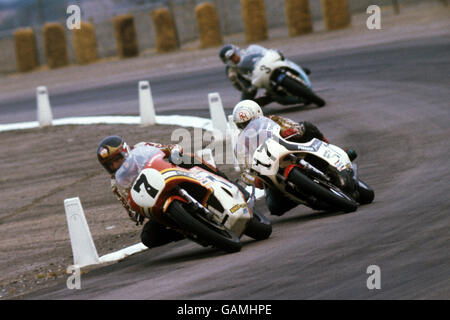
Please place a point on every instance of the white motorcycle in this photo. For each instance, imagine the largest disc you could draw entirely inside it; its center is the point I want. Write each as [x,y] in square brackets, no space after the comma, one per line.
[284,80]
[316,174]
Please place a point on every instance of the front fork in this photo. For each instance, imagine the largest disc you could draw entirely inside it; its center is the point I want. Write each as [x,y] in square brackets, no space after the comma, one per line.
[193,206]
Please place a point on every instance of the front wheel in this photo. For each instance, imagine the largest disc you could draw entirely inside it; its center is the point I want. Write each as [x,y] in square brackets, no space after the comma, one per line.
[334,197]
[298,89]
[221,238]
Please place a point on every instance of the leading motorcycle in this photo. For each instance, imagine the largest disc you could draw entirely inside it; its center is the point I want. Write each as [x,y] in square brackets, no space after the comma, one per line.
[283,79]
[202,206]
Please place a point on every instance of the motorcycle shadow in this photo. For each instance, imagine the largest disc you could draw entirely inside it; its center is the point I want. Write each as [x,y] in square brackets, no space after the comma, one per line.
[303,218]
[191,252]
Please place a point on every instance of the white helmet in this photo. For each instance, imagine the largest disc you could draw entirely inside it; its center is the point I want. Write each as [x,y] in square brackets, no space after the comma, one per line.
[245,111]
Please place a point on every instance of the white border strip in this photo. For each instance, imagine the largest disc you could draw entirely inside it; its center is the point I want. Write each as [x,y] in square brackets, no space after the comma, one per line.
[184,121]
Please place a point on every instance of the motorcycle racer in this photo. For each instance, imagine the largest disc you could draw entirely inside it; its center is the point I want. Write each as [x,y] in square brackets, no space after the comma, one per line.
[112,153]
[240,76]
[300,132]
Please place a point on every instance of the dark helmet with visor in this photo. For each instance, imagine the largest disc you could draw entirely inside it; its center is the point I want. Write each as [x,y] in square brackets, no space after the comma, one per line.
[110,150]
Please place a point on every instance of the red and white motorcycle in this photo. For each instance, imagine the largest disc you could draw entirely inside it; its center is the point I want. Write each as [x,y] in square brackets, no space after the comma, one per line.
[204,207]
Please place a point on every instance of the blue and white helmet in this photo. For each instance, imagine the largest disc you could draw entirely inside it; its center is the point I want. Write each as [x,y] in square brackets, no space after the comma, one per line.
[230,54]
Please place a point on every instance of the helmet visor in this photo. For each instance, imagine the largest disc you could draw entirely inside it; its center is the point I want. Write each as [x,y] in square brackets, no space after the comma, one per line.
[115,161]
[242,125]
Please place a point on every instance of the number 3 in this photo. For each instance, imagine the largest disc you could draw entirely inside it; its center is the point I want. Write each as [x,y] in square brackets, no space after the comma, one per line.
[262,68]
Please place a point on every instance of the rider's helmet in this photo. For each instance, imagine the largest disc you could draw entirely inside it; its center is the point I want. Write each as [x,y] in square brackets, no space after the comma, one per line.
[230,54]
[112,152]
[245,111]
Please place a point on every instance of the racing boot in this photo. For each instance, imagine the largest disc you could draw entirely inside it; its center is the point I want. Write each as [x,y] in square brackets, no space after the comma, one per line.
[351,154]
[307,71]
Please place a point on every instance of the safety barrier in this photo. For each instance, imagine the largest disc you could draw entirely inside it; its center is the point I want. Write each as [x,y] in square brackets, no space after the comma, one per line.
[335,14]
[255,24]
[55,45]
[298,16]
[208,25]
[298,19]
[84,43]
[25,49]
[125,34]
[166,36]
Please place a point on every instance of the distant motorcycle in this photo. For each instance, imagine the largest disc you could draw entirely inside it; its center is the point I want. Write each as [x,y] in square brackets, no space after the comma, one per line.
[202,206]
[268,69]
[316,174]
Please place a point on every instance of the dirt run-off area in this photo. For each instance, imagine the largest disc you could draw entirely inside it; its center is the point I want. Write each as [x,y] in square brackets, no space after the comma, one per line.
[42,167]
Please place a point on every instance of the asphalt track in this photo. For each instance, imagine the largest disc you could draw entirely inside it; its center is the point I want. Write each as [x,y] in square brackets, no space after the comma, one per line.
[391,103]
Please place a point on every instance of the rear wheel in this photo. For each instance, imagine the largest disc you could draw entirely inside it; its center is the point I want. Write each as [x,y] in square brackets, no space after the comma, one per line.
[298,89]
[217,236]
[331,196]
[259,227]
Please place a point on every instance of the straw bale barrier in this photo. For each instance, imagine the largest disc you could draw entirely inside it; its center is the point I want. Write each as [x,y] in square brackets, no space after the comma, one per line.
[298,16]
[166,36]
[335,14]
[255,23]
[84,43]
[55,46]
[208,25]
[25,49]
[125,34]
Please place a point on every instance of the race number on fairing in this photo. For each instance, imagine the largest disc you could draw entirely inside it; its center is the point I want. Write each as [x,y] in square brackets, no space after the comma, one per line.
[147,188]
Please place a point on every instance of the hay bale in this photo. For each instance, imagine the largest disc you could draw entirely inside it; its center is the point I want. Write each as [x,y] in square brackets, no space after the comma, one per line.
[298,16]
[84,43]
[208,25]
[166,35]
[55,46]
[26,49]
[255,23]
[125,34]
[335,14]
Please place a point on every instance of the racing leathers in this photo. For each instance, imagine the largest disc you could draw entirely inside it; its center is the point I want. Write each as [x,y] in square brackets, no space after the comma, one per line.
[153,233]
[301,132]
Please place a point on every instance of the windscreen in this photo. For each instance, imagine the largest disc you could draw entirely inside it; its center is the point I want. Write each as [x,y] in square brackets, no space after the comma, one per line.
[135,162]
[255,134]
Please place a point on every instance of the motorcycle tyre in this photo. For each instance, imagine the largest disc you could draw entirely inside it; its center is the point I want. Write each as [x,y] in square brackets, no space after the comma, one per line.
[186,221]
[298,89]
[323,194]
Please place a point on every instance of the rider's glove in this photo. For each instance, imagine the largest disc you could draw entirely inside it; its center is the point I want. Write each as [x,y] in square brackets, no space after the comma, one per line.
[259,183]
[290,132]
[176,156]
